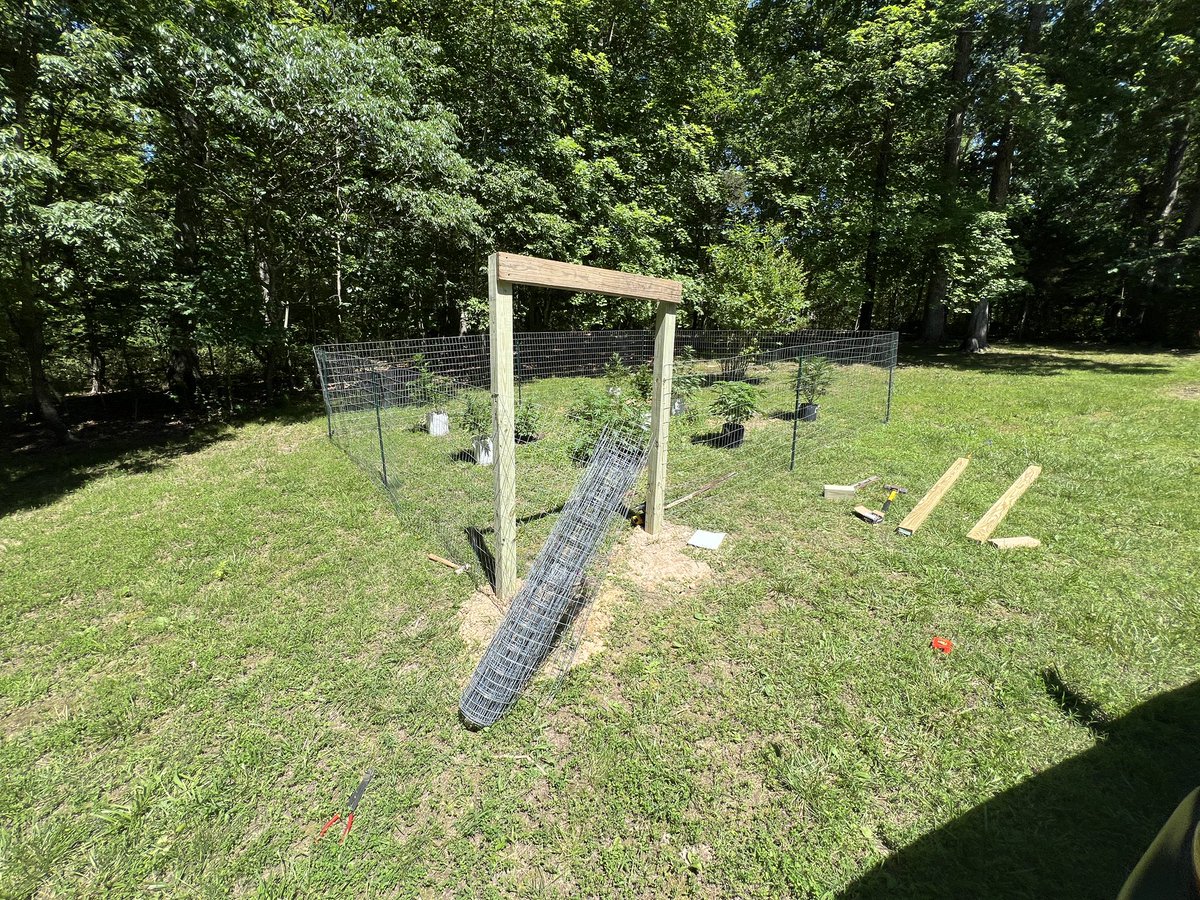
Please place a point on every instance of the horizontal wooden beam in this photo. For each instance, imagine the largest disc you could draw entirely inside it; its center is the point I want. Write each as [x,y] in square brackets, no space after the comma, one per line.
[570,277]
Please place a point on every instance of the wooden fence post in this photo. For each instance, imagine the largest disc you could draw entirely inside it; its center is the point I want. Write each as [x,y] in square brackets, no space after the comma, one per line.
[504,464]
[660,414]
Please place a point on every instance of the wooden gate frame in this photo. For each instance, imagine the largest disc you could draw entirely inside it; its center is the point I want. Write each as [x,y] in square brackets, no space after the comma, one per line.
[508,269]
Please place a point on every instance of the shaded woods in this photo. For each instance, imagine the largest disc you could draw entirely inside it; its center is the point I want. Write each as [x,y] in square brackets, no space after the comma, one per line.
[193,193]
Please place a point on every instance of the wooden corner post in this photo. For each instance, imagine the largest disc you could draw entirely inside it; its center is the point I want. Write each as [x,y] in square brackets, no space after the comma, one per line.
[508,269]
[660,414]
[504,463]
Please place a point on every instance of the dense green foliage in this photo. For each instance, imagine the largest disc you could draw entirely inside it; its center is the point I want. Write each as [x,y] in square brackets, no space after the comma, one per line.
[193,191]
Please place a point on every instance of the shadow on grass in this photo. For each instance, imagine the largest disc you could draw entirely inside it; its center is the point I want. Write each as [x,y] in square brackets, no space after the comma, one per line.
[475,537]
[1073,831]
[718,440]
[1012,361]
[35,470]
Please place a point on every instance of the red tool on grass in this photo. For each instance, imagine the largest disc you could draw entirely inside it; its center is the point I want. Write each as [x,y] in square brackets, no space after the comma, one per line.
[943,644]
[352,805]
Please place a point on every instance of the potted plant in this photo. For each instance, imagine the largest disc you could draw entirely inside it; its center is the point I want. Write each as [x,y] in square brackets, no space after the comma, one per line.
[813,378]
[477,418]
[686,381]
[527,422]
[736,402]
[437,420]
[615,373]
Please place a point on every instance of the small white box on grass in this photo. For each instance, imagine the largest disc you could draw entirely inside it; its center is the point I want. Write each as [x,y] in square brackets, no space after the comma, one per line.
[707,540]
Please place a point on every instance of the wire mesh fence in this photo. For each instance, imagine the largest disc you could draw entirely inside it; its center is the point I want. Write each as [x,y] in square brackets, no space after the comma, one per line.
[746,408]
[557,588]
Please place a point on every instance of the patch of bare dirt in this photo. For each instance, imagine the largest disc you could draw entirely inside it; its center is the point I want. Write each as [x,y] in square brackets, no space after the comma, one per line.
[1185,391]
[655,565]
[479,617]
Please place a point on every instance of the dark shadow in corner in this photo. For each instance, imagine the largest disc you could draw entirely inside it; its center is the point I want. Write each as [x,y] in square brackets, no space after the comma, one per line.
[123,433]
[1073,831]
[478,542]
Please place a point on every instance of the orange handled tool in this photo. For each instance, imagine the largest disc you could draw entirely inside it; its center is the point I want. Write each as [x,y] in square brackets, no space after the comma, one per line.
[352,806]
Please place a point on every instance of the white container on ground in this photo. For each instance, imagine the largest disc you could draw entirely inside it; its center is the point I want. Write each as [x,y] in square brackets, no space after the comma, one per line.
[438,423]
[483,450]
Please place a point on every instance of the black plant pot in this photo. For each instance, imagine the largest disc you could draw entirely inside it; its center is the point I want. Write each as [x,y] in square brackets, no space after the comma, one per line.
[732,435]
[808,412]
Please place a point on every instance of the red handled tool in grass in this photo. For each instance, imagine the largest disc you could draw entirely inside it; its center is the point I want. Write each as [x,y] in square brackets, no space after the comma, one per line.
[351,805]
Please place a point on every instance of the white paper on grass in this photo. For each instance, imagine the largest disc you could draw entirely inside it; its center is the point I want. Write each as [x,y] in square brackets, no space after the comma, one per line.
[707,540]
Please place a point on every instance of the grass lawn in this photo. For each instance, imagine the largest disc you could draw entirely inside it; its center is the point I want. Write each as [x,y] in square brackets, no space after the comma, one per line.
[204,644]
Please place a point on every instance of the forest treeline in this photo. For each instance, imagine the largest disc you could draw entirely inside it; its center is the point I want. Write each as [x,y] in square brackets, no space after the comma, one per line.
[194,191]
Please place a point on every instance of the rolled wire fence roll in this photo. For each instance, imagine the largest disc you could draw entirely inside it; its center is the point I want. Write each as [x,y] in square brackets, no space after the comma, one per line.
[553,594]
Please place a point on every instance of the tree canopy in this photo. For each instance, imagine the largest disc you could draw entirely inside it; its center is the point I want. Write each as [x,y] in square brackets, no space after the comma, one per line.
[191,191]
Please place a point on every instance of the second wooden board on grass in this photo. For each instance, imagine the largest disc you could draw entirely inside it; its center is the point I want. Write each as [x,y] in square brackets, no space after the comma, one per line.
[986,526]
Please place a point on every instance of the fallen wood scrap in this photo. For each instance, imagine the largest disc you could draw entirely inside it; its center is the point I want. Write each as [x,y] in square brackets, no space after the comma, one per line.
[1015,543]
[458,570]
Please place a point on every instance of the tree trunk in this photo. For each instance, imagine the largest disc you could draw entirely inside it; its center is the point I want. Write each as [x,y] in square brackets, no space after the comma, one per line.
[934,328]
[1002,168]
[883,161]
[977,329]
[23,308]
[27,322]
[183,360]
[1155,313]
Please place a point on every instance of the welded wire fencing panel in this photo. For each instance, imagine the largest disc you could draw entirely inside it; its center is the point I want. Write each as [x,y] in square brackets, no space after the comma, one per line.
[554,591]
[416,414]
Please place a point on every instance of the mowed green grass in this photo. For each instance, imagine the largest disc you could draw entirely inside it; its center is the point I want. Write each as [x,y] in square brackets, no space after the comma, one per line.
[201,653]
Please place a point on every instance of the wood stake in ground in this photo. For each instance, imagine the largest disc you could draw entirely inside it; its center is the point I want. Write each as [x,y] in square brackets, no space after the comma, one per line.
[932,498]
[993,517]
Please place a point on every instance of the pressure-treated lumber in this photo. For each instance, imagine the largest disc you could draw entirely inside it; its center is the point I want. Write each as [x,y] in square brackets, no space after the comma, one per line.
[1015,543]
[504,464]
[568,276]
[932,498]
[985,527]
[660,415]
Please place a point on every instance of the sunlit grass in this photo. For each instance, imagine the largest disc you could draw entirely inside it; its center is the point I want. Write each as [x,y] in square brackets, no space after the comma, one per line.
[201,655]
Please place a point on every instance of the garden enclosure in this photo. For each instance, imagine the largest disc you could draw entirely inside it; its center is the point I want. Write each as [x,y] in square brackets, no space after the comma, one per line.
[416,414]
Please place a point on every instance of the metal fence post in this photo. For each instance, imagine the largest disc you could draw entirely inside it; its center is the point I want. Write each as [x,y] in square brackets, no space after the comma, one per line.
[378,380]
[887,415]
[323,375]
[796,412]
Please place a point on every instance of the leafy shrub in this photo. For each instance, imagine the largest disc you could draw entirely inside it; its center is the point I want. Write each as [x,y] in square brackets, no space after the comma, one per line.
[642,381]
[594,413]
[736,402]
[528,420]
[477,417]
[813,377]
